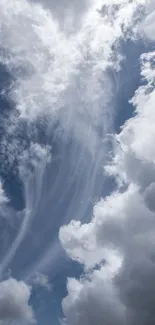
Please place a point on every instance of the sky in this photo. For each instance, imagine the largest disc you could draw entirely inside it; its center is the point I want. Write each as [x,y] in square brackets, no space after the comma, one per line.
[77,162]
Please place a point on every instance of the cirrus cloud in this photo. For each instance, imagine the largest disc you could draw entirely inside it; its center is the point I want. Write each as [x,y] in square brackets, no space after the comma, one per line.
[123,225]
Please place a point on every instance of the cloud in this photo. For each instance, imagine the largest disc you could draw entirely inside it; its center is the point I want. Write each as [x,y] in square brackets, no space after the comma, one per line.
[123,225]
[4,208]
[32,164]
[3,197]
[147,26]
[14,301]
[41,280]
[68,13]
[93,300]
[69,83]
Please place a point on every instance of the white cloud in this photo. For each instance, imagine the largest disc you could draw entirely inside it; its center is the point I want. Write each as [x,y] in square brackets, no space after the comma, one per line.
[65,76]
[14,301]
[123,225]
[41,280]
[3,202]
[68,13]
[69,83]
[3,197]
[32,164]
[93,300]
[147,26]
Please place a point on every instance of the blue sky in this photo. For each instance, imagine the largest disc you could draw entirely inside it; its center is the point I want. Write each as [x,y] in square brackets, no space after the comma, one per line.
[76,179]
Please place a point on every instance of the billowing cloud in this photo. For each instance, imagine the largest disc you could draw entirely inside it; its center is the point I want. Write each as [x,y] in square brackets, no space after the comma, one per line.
[14,301]
[94,300]
[62,73]
[69,83]
[123,225]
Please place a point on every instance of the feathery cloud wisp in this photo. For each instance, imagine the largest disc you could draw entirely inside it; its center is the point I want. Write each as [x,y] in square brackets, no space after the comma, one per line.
[121,234]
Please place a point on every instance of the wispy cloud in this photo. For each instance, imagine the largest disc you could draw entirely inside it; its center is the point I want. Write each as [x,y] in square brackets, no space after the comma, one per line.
[120,235]
[41,280]
[61,76]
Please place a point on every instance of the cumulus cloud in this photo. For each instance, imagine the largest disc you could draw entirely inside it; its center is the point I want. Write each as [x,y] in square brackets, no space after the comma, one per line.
[14,302]
[123,225]
[94,300]
[71,85]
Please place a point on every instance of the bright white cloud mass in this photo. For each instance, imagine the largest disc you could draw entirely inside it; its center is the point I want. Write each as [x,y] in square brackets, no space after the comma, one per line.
[71,72]
[121,234]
